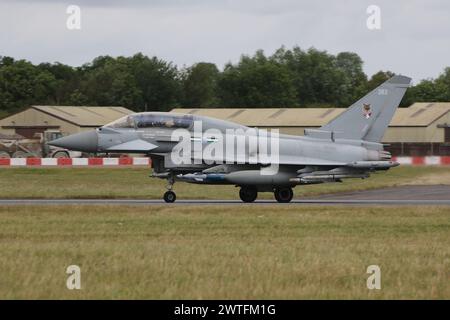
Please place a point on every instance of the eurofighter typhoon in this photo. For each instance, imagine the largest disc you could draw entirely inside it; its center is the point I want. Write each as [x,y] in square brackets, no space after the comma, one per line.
[204,150]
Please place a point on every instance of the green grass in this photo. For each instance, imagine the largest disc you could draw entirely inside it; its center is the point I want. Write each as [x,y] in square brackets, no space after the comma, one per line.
[135,183]
[256,252]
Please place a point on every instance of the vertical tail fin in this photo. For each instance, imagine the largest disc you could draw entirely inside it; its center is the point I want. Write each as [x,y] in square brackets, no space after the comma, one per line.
[368,118]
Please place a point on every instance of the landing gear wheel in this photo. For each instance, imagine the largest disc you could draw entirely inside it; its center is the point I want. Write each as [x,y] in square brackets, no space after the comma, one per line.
[283,195]
[248,194]
[170,196]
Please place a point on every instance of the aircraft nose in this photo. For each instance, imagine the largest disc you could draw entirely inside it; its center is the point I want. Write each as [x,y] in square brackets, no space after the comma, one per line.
[83,141]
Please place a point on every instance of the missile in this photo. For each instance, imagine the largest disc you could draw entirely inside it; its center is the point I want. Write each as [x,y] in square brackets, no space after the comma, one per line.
[211,178]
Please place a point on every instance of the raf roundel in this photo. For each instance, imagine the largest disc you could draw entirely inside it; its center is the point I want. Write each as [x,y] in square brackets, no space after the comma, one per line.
[367,111]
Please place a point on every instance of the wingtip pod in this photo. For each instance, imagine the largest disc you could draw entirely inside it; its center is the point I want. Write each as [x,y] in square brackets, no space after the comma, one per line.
[400,80]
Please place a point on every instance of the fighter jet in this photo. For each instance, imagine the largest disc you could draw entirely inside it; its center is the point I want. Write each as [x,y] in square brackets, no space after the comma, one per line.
[347,147]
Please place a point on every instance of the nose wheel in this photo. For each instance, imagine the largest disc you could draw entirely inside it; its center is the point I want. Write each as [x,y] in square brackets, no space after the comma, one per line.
[283,195]
[170,196]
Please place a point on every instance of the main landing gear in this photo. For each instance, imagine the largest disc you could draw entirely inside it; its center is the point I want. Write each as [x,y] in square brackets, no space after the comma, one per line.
[283,195]
[248,194]
[169,195]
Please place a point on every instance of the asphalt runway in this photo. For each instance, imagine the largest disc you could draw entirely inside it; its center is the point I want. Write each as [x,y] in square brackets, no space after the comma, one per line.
[404,195]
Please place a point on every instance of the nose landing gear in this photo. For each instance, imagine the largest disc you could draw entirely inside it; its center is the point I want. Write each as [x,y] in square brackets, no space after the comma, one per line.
[169,195]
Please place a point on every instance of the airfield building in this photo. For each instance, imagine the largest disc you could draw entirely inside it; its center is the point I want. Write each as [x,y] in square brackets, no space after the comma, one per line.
[67,119]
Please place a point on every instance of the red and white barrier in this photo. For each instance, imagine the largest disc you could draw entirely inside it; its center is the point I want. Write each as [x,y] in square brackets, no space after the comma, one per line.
[423,161]
[76,162]
[144,161]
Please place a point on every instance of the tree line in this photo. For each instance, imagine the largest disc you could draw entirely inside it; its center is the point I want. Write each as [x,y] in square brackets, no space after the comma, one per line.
[287,78]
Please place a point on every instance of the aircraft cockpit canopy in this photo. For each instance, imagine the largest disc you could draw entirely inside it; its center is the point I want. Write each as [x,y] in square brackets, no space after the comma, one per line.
[152,120]
[122,123]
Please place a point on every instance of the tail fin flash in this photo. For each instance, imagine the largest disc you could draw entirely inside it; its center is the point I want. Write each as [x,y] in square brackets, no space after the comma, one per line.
[368,118]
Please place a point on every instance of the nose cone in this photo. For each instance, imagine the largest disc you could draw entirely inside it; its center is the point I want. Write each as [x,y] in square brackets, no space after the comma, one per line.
[83,141]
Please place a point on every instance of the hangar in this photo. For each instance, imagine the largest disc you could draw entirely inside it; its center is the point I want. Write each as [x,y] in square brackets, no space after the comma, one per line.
[421,129]
[67,119]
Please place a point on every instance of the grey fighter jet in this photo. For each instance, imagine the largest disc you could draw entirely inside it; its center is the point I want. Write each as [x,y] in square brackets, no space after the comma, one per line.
[347,147]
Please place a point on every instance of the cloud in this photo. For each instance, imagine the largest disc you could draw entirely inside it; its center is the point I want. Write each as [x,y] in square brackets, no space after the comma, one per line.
[413,39]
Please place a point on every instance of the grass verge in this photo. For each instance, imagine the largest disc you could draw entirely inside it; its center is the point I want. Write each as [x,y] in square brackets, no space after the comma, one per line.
[254,252]
[135,183]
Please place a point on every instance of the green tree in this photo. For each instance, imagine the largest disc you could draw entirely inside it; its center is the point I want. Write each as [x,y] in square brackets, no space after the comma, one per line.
[378,78]
[354,78]
[256,82]
[430,90]
[77,98]
[443,86]
[136,82]
[66,81]
[199,84]
[23,84]
[112,83]
[315,75]
[158,81]
[288,78]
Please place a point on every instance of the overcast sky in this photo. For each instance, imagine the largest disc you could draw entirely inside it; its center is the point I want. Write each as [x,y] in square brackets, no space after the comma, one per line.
[414,38]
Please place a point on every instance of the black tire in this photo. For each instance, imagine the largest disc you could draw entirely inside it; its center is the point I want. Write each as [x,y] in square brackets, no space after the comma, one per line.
[170,197]
[283,195]
[248,194]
